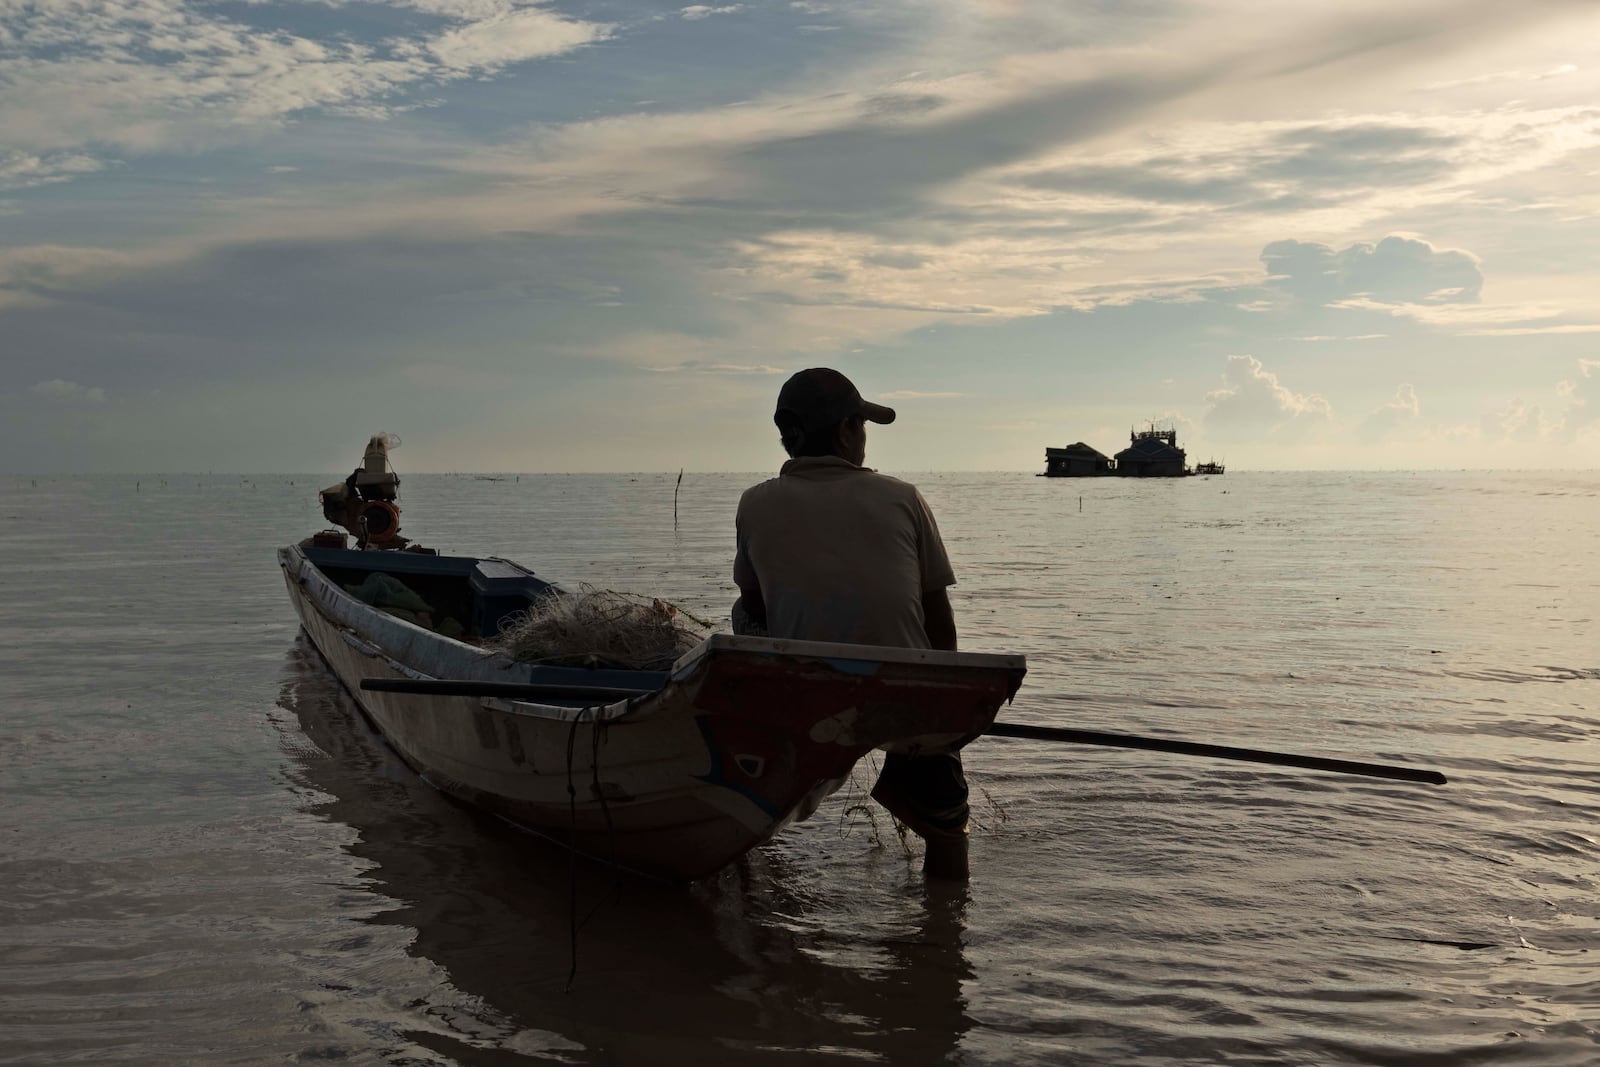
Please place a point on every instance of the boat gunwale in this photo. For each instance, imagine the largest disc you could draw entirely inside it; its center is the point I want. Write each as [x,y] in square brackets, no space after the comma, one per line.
[680,671]
[835,651]
[627,710]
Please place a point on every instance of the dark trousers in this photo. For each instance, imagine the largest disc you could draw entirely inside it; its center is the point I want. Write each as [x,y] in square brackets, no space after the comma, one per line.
[924,792]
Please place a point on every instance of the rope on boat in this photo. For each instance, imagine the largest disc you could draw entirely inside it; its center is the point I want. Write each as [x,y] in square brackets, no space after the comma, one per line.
[596,735]
[572,849]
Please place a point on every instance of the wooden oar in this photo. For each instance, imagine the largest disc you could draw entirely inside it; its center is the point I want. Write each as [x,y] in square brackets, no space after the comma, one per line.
[605,694]
[1192,748]
[449,687]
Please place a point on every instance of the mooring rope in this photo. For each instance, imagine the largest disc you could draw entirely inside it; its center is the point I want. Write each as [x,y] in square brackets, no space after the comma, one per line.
[574,925]
[597,735]
[572,848]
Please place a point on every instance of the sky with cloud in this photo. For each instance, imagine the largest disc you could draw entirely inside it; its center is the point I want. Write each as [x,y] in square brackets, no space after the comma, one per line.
[242,235]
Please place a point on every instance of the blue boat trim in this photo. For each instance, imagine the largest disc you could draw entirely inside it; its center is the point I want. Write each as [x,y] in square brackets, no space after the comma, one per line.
[864,667]
[716,777]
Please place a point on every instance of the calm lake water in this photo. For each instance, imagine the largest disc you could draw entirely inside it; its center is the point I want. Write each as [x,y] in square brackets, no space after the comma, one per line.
[206,858]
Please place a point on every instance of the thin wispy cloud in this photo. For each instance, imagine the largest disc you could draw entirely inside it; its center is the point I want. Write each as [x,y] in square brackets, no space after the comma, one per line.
[57,389]
[1501,76]
[1533,331]
[697,367]
[20,170]
[695,12]
[150,76]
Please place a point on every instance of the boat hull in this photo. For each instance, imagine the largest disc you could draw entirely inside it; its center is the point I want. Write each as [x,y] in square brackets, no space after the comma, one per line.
[742,736]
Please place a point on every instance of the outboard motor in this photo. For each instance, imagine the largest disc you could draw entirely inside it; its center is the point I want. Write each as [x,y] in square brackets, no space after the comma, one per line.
[364,503]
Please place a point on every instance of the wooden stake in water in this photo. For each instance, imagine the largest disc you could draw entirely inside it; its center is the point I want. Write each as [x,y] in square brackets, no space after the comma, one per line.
[675,500]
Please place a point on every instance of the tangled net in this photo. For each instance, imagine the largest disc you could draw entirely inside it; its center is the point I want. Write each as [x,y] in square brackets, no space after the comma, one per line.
[601,628]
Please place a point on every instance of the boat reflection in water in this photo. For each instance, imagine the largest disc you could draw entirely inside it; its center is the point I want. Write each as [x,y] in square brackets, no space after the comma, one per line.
[787,952]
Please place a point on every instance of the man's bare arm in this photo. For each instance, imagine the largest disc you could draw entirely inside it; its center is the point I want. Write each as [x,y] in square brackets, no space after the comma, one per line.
[939,620]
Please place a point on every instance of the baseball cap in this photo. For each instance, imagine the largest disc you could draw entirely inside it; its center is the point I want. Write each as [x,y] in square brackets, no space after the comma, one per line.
[822,396]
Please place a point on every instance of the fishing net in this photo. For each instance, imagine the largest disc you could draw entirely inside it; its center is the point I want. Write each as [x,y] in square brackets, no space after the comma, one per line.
[601,628]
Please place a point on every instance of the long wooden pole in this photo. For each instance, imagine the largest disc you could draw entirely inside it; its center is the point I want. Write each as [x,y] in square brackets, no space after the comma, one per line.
[1193,748]
[447,687]
[607,694]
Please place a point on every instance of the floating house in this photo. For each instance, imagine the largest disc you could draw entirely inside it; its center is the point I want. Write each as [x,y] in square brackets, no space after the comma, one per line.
[1152,453]
[1077,460]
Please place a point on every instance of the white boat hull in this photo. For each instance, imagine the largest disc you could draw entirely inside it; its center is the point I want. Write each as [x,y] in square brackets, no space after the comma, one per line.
[745,735]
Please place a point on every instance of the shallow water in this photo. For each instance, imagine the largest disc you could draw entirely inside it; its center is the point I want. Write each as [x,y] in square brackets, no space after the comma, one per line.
[205,857]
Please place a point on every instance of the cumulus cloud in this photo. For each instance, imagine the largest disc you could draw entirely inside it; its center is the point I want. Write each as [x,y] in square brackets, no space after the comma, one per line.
[1582,395]
[58,389]
[1253,401]
[1521,421]
[704,11]
[1394,418]
[1518,422]
[1396,270]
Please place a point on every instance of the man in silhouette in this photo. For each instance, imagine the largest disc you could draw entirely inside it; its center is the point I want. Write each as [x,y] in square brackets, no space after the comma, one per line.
[833,551]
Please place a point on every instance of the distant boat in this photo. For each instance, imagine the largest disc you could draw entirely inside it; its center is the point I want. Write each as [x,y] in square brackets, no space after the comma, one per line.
[1209,467]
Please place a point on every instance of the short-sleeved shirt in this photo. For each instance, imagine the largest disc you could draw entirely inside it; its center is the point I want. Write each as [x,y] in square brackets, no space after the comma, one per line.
[840,553]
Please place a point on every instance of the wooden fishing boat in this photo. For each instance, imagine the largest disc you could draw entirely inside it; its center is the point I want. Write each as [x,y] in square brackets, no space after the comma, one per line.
[674,773]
